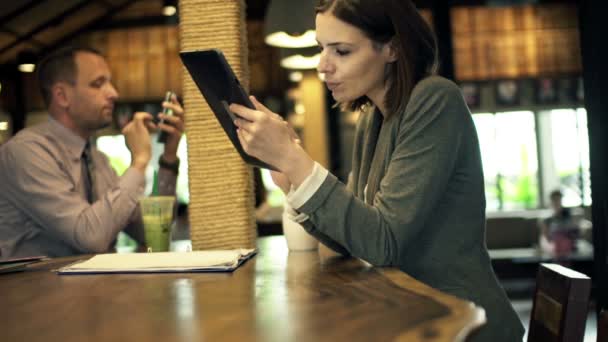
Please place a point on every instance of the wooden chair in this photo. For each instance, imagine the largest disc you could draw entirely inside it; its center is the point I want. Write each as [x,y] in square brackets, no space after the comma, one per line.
[559,312]
[602,327]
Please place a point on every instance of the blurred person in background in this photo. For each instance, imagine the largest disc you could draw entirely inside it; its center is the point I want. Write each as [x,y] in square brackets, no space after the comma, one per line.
[59,195]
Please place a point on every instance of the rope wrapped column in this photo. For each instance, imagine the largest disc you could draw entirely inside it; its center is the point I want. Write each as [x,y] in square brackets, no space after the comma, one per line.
[221,209]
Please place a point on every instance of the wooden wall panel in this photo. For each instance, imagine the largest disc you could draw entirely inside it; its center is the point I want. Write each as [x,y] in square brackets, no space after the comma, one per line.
[516,41]
[144,61]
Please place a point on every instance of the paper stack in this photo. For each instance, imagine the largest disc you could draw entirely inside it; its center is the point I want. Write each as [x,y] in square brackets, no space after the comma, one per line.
[199,261]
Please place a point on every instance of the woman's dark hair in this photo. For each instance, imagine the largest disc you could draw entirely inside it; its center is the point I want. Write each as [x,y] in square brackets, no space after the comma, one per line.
[59,65]
[399,23]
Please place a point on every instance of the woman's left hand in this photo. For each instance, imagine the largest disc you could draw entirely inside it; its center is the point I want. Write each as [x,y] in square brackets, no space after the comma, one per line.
[264,134]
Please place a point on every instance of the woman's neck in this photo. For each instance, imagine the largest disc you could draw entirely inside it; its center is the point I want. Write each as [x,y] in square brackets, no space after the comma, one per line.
[378,97]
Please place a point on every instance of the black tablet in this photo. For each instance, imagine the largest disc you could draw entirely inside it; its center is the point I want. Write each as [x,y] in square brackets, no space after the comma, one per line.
[220,87]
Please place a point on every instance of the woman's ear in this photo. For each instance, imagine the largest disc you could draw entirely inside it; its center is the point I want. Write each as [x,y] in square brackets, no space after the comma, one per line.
[389,52]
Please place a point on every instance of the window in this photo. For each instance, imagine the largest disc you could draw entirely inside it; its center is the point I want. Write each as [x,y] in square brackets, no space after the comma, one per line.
[275,196]
[115,148]
[527,155]
[567,162]
[508,148]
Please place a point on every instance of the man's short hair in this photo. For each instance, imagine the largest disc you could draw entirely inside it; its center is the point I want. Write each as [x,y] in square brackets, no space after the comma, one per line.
[59,65]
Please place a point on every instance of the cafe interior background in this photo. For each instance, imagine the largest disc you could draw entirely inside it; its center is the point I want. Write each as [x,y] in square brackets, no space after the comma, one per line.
[518,63]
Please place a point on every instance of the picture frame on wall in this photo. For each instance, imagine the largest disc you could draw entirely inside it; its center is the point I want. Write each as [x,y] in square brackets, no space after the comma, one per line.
[567,89]
[580,90]
[507,92]
[471,93]
[546,91]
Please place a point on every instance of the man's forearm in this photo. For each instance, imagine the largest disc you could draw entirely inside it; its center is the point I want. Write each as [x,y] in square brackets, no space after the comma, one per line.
[167,181]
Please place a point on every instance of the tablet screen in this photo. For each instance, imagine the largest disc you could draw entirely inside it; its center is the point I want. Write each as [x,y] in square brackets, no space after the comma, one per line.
[220,87]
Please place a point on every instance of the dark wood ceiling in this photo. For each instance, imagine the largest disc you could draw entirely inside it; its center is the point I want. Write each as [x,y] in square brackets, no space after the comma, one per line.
[40,25]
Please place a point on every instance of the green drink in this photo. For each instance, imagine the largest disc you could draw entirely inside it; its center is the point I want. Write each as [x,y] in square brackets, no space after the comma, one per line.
[157,213]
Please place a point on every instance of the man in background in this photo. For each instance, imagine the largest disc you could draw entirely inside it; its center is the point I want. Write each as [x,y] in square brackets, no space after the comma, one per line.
[58,194]
[561,229]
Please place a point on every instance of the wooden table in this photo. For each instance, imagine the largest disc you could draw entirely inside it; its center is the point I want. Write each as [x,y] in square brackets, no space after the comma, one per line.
[276,296]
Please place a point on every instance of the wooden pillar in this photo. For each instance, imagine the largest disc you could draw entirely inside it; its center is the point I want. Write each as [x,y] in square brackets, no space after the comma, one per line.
[221,206]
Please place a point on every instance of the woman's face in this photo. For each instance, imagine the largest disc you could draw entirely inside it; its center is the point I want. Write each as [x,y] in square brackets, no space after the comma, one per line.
[350,62]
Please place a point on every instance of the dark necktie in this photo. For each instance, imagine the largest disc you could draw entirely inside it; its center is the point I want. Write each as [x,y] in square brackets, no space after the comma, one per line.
[88,172]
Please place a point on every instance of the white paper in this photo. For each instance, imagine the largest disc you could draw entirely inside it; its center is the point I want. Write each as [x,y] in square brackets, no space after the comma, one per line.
[199,261]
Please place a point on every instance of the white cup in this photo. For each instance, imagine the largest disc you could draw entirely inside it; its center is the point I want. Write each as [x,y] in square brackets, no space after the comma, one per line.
[297,237]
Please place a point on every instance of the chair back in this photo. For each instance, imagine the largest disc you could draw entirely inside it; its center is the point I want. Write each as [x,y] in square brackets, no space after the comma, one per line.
[559,311]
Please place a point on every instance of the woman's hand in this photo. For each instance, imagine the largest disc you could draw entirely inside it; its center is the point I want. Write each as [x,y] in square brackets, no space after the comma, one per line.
[281,180]
[263,134]
[266,136]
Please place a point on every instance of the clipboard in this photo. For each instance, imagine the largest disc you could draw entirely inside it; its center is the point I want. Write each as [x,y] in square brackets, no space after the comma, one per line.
[14,267]
[220,87]
[161,262]
[23,259]
[18,264]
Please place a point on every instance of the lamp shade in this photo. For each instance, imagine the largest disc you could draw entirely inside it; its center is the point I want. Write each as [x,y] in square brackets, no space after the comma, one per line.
[26,61]
[290,23]
[169,7]
[300,59]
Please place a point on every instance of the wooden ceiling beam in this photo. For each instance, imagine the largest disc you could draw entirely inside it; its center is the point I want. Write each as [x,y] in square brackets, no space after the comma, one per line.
[16,34]
[24,8]
[51,22]
[92,25]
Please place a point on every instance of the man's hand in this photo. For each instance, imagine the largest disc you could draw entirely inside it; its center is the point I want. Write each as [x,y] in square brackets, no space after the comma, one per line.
[137,138]
[174,127]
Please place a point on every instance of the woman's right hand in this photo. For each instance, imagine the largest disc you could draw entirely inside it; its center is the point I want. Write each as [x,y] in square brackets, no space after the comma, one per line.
[266,136]
[281,180]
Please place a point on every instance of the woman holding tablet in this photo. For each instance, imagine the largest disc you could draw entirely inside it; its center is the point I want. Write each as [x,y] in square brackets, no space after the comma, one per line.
[415,195]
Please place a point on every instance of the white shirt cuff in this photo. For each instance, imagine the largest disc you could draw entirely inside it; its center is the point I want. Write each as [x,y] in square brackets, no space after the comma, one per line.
[294,215]
[298,197]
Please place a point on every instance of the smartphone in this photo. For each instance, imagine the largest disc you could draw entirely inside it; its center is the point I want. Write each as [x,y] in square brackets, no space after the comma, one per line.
[162,137]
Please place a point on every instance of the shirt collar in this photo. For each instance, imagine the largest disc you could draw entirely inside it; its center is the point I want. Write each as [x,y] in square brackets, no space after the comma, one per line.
[73,142]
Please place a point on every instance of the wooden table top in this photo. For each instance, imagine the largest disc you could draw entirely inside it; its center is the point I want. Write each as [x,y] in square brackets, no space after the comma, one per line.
[276,296]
